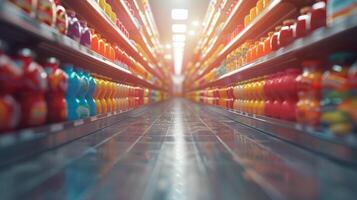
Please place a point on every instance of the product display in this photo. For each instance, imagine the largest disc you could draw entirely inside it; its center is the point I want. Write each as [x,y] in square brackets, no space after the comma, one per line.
[169,99]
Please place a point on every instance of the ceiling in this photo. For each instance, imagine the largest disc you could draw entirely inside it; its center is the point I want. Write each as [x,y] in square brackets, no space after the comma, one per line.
[162,13]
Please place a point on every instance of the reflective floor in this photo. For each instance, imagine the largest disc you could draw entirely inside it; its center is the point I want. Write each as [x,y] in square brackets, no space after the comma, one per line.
[178,150]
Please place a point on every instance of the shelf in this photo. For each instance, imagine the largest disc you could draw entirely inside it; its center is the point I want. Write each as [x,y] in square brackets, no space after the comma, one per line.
[24,143]
[338,148]
[134,29]
[321,42]
[94,15]
[50,42]
[276,12]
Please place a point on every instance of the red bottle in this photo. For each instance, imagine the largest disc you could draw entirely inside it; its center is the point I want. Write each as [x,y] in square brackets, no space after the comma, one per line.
[289,84]
[285,36]
[301,28]
[274,41]
[57,86]
[288,110]
[10,77]
[318,15]
[33,87]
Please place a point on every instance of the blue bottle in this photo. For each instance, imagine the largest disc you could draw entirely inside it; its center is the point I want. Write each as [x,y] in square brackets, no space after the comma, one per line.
[72,91]
[90,93]
[83,108]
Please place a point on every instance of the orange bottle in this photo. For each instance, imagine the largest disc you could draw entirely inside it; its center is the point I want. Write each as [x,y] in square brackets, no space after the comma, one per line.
[104,96]
[267,47]
[259,6]
[97,94]
[101,47]
[266,3]
[253,13]
[94,40]
[106,49]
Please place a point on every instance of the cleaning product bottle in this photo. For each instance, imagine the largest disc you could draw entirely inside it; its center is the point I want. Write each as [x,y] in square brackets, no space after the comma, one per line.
[10,76]
[90,94]
[83,109]
[31,94]
[57,87]
[71,93]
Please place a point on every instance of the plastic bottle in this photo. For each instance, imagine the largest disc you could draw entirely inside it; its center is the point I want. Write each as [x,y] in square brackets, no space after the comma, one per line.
[57,87]
[74,86]
[83,109]
[61,21]
[336,96]
[85,35]
[46,11]
[33,88]
[10,76]
[74,27]
[90,94]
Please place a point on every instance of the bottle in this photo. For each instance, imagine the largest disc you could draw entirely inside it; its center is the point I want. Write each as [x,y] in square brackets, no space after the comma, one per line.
[318,15]
[72,91]
[90,94]
[74,27]
[46,11]
[57,87]
[97,95]
[336,94]
[351,107]
[33,88]
[286,36]
[301,28]
[83,108]
[61,20]
[309,93]
[94,45]
[85,34]
[10,77]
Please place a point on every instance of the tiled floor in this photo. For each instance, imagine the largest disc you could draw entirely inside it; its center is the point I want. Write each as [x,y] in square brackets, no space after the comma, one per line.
[178,150]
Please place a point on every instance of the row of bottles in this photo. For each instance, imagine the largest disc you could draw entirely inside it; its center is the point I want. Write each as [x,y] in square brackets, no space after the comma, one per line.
[67,22]
[33,94]
[319,93]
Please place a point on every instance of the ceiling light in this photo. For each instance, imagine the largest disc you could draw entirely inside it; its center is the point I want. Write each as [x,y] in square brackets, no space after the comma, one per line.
[178,45]
[195,23]
[192,33]
[168,57]
[179,14]
[179,28]
[178,38]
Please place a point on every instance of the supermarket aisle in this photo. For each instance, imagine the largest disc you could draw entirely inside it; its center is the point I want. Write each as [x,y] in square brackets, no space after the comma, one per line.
[177,150]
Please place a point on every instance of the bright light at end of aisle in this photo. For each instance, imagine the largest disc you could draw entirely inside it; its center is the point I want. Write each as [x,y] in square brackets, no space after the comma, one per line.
[178,59]
[178,38]
[195,23]
[179,28]
[168,57]
[179,14]
[192,33]
[168,46]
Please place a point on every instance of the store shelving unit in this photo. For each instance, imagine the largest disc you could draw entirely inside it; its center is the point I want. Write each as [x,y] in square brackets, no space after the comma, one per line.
[324,40]
[21,28]
[276,12]
[340,148]
[49,41]
[95,16]
[24,143]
